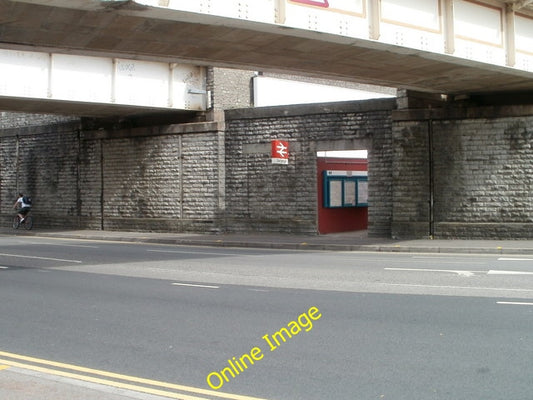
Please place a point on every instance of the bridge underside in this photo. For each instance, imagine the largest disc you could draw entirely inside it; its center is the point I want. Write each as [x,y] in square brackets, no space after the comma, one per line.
[95,110]
[144,33]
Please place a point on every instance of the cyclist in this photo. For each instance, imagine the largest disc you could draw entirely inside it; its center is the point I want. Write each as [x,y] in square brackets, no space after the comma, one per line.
[24,206]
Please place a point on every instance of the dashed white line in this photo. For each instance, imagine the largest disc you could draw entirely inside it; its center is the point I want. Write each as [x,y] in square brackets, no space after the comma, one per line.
[514,259]
[497,272]
[456,287]
[514,303]
[212,253]
[195,285]
[463,272]
[458,272]
[62,245]
[39,258]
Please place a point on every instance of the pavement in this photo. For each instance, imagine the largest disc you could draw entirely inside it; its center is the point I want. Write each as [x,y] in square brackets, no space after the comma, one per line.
[347,241]
[23,380]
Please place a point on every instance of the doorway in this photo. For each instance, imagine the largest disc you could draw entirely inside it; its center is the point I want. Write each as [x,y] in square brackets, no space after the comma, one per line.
[342,182]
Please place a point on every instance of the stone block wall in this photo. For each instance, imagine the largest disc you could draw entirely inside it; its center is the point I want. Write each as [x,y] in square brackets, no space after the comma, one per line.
[41,162]
[158,179]
[477,176]
[10,120]
[484,177]
[410,174]
[448,172]
[262,196]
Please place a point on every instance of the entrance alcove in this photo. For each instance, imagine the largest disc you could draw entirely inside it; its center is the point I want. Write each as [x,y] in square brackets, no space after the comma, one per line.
[342,182]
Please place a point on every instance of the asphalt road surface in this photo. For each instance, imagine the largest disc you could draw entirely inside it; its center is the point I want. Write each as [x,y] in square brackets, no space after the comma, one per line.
[308,325]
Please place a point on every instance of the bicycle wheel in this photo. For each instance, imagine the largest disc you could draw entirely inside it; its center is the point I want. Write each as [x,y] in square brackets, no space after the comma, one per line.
[16,222]
[28,223]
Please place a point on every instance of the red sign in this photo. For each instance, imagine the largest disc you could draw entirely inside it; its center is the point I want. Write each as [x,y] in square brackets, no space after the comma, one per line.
[280,152]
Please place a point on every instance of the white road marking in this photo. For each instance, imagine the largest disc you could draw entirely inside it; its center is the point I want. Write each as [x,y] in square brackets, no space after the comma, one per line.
[458,272]
[62,245]
[3,267]
[194,285]
[197,252]
[514,303]
[39,258]
[463,272]
[451,259]
[456,287]
[496,272]
[514,259]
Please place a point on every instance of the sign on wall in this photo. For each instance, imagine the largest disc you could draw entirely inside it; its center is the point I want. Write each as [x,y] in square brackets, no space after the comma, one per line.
[280,152]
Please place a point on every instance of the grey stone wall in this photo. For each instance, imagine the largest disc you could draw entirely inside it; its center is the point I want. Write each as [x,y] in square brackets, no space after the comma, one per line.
[158,179]
[41,162]
[267,197]
[410,172]
[446,172]
[480,175]
[23,120]
[484,177]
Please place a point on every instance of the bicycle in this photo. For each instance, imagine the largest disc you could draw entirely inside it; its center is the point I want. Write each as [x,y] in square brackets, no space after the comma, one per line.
[26,223]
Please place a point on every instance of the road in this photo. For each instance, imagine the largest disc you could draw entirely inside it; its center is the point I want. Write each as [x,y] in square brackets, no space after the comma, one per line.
[376,326]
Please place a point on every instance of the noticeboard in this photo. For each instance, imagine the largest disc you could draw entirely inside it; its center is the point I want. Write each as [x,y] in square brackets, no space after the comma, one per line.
[345,190]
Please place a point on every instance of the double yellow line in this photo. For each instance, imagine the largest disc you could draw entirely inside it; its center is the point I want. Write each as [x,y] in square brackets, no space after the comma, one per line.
[149,386]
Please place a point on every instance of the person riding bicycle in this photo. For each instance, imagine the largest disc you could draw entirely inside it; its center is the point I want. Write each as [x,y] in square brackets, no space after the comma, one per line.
[24,205]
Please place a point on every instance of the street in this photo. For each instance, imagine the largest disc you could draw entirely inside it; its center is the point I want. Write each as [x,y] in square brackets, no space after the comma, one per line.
[274,324]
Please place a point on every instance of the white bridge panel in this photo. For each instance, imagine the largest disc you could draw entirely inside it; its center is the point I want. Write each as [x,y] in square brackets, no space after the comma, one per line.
[142,83]
[524,42]
[479,23]
[81,78]
[103,80]
[478,32]
[24,74]
[420,14]
[412,24]
[340,17]
[262,11]
[524,34]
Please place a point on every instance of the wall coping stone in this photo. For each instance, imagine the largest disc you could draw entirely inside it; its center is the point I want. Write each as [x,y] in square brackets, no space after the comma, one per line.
[294,110]
[174,129]
[61,127]
[481,112]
